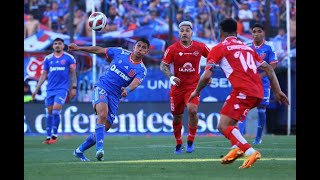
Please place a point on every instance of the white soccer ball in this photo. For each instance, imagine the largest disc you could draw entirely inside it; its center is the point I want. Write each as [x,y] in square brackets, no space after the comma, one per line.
[97,21]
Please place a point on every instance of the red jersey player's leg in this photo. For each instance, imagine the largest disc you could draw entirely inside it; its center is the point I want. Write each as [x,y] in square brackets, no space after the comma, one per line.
[177,107]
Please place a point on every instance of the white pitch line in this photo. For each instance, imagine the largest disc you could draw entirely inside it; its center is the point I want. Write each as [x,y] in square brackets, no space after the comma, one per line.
[163,161]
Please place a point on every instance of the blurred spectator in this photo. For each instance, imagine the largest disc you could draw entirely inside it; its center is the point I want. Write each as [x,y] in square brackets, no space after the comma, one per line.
[114,20]
[281,37]
[150,19]
[245,16]
[274,17]
[188,17]
[27,93]
[54,15]
[239,26]
[31,26]
[78,23]
[261,15]
[62,26]
[293,24]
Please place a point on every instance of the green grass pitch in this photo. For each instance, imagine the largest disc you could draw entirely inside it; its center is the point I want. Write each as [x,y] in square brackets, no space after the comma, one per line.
[151,157]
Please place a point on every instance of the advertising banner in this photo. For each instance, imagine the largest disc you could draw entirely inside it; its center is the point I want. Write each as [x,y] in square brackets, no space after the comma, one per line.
[132,118]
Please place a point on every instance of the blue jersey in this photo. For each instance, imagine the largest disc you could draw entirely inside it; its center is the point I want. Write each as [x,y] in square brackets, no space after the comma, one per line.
[121,72]
[58,71]
[266,52]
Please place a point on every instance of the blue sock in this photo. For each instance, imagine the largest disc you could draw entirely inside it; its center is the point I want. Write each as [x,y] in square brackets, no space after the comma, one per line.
[242,126]
[99,136]
[56,122]
[261,122]
[49,125]
[88,143]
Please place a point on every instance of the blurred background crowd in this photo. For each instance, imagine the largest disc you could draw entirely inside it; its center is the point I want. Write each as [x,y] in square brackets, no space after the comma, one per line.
[157,19]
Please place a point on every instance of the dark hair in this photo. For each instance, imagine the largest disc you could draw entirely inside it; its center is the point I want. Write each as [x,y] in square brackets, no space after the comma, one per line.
[143,40]
[257,25]
[228,25]
[58,39]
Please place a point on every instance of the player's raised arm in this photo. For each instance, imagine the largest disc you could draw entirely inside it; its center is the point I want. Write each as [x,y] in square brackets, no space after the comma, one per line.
[205,79]
[279,95]
[89,49]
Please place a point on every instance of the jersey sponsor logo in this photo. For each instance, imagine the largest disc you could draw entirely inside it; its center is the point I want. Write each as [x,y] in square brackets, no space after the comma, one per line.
[57,69]
[119,73]
[132,73]
[187,67]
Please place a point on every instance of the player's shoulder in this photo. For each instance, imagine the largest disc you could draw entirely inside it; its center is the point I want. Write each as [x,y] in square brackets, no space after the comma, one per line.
[49,56]
[269,44]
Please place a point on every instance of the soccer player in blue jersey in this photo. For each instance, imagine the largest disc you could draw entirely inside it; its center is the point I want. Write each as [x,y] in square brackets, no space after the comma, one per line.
[266,52]
[57,67]
[125,74]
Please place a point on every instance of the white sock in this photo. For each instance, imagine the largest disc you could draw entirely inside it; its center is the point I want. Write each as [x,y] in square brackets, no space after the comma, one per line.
[234,146]
[249,151]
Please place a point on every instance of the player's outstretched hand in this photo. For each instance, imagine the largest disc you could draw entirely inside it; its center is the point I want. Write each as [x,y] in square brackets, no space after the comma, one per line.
[124,92]
[281,98]
[193,94]
[72,47]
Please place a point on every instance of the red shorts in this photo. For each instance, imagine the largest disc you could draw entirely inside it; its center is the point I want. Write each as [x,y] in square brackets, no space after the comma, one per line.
[179,98]
[237,106]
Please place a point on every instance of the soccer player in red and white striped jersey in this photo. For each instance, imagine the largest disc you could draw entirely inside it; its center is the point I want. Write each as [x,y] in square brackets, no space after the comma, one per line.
[240,64]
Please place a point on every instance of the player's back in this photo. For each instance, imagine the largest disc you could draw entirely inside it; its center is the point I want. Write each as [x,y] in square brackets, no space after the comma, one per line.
[239,62]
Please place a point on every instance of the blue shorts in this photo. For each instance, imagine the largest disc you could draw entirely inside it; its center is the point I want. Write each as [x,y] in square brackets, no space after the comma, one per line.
[266,97]
[101,95]
[58,96]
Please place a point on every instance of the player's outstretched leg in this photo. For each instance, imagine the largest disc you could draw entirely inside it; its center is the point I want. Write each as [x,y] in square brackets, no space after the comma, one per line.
[80,155]
[233,155]
[250,159]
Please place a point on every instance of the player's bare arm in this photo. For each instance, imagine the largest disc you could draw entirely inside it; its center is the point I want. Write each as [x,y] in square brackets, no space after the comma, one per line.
[165,68]
[42,78]
[89,49]
[280,97]
[132,86]
[263,73]
[203,82]
[73,90]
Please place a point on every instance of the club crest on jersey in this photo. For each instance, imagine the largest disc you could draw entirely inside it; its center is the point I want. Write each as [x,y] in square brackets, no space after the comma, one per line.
[195,53]
[263,55]
[132,73]
[63,62]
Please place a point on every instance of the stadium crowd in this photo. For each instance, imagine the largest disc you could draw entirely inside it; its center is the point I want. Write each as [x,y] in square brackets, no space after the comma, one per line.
[53,15]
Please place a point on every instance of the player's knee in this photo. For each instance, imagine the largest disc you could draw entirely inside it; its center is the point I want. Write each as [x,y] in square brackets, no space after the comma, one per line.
[193,112]
[177,119]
